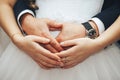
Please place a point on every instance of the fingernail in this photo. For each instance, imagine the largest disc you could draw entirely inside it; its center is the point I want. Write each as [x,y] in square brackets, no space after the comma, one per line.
[61,64]
[47,40]
[62,43]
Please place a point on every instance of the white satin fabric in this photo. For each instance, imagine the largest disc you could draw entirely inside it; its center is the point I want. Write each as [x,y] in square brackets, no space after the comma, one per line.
[16,65]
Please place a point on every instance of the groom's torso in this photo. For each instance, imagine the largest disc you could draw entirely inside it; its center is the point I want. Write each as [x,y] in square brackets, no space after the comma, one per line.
[106,4]
[21,5]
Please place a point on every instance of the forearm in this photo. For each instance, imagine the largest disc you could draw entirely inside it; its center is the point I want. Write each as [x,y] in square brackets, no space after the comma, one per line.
[7,19]
[111,35]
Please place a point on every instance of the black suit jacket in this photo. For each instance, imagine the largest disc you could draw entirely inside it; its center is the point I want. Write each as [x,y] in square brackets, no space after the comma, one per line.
[21,6]
[110,11]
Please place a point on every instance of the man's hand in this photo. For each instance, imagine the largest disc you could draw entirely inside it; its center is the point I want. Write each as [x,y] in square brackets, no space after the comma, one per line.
[40,27]
[70,31]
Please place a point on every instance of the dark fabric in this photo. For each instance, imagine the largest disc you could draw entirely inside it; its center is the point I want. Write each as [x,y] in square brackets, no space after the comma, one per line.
[19,7]
[110,12]
[119,42]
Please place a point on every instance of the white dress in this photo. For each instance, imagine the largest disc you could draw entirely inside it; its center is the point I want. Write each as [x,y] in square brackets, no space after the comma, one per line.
[16,65]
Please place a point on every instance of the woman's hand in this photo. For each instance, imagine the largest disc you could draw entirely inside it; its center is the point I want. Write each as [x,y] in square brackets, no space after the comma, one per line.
[79,50]
[40,27]
[31,45]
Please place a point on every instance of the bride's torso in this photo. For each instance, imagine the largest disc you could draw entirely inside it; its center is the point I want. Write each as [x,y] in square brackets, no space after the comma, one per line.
[69,10]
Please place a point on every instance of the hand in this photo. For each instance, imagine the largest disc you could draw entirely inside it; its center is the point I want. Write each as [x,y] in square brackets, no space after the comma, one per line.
[80,49]
[30,45]
[69,31]
[40,27]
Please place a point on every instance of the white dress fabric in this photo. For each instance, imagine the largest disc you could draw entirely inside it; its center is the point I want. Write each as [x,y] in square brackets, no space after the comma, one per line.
[105,65]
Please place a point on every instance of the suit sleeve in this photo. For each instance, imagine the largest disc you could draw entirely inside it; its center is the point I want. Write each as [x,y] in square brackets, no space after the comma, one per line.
[110,14]
[20,9]
[21,6]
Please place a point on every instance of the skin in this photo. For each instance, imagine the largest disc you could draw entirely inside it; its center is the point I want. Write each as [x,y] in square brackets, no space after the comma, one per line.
[77,49]
[72,31]
[82,48]
[40,27]
[29,43]
[77,32]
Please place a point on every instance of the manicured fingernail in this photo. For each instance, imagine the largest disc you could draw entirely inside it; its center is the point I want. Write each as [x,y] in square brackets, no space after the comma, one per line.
[47,40]
[62,43]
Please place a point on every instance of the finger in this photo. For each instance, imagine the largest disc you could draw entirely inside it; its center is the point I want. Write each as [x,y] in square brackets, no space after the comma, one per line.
[59,37]
[68,43]
[51,55]
[47,64]
[50,48]
[53,42]
[50,61]
[47,60]
[67,59]
[56,45]
[42,66]
[70,64]
[54,29]
[67,53]
[38,62]
[54,24]
[74,62]
[46,53]
[40,39]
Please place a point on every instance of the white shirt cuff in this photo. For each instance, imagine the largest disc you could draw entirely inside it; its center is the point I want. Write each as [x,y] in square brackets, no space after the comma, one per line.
[22,13]
[100,24]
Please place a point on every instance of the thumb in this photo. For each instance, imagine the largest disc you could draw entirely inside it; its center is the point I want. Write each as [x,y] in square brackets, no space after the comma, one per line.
[40,39]
[54,24]
[68,43]
[59,37]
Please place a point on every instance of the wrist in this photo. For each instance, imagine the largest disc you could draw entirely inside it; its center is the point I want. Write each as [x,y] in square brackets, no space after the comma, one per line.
[26,18]
[16,38]
[93,24]
[26,21]
[90,30]
[101,42]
